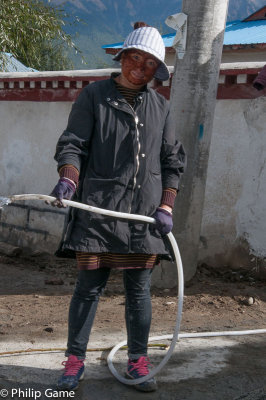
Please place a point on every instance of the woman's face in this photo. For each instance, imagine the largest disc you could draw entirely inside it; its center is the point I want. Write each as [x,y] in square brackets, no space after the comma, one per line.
[138,68]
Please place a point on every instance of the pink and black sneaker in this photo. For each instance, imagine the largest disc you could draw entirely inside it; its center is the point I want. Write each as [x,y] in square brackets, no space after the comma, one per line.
[139,368]
[73,373]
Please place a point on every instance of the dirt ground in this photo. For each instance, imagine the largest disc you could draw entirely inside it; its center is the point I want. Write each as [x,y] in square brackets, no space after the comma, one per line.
[35,292]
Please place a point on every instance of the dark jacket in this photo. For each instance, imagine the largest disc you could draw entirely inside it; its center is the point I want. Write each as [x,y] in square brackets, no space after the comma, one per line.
[125,157]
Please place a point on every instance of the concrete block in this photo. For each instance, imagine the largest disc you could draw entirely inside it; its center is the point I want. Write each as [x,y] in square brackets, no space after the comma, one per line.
[30,240]
[14,215]
[164,276]
[50,222]
[38,241]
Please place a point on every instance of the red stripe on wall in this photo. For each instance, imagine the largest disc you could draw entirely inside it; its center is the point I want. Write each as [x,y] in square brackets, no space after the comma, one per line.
[11,90]
[39,94]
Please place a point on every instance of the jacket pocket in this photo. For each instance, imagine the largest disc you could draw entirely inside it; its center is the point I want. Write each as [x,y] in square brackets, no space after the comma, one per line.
[101,191]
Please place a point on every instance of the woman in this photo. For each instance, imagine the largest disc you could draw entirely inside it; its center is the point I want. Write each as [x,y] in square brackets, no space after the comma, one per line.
[119,152]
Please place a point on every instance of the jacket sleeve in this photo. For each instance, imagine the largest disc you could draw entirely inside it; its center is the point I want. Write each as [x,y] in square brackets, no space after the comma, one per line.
[73,144]
[173,156]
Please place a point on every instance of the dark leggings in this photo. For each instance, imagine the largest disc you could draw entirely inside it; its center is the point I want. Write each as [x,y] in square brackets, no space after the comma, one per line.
[83,306]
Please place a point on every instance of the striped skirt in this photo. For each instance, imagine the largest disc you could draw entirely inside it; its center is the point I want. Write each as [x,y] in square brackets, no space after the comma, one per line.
[88,261]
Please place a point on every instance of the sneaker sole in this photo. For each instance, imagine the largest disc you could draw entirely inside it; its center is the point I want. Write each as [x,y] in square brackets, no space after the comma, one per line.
[145,386]
[74,388]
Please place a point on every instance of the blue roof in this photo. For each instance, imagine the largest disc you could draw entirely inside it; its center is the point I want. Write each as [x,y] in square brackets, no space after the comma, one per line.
[10,64]
[113,46]
[236,32]
[250,32]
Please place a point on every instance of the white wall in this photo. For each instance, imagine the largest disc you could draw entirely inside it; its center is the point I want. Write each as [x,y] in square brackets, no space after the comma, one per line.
[234,222]
[29,132]
[231,56]
[244,56]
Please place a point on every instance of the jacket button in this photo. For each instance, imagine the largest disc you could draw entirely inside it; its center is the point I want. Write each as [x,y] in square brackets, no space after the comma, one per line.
[143,155]
[139,186]
[141,124]
[115,103]
[108,99]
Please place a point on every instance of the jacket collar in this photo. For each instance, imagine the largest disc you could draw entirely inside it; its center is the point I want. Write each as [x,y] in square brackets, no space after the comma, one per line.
[115,99]
[115,94]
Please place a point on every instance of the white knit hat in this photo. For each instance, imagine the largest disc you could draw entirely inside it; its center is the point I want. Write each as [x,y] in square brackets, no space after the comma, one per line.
[147,39]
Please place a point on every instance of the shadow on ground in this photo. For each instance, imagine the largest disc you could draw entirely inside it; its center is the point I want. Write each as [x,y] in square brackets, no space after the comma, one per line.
[200,369]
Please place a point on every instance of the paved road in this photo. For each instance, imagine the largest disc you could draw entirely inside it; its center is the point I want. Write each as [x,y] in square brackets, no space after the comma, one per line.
[225,368]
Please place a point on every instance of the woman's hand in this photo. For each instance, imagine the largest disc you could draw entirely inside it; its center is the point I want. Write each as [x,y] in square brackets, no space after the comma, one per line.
[64,189]
[163,220]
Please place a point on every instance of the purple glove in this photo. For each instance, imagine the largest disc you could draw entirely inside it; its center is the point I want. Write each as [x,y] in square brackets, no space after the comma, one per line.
[63,190]
[164,221]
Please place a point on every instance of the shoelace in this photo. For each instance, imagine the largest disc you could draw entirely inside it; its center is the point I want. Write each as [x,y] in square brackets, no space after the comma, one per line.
[141,366]
[72,366]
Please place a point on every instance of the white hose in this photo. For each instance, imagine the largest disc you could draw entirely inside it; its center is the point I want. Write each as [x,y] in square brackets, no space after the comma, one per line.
[173,243]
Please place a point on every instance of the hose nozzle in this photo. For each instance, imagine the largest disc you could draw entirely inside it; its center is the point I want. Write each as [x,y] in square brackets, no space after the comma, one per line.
[4,201]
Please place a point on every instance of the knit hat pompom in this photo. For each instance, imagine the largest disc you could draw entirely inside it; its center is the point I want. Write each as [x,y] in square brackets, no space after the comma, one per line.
[140,24]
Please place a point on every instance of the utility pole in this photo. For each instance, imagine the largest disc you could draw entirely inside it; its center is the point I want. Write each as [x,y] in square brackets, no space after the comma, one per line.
[193,98]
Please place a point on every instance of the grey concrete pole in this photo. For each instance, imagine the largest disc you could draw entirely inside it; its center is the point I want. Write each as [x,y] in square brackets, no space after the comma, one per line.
[193,98]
